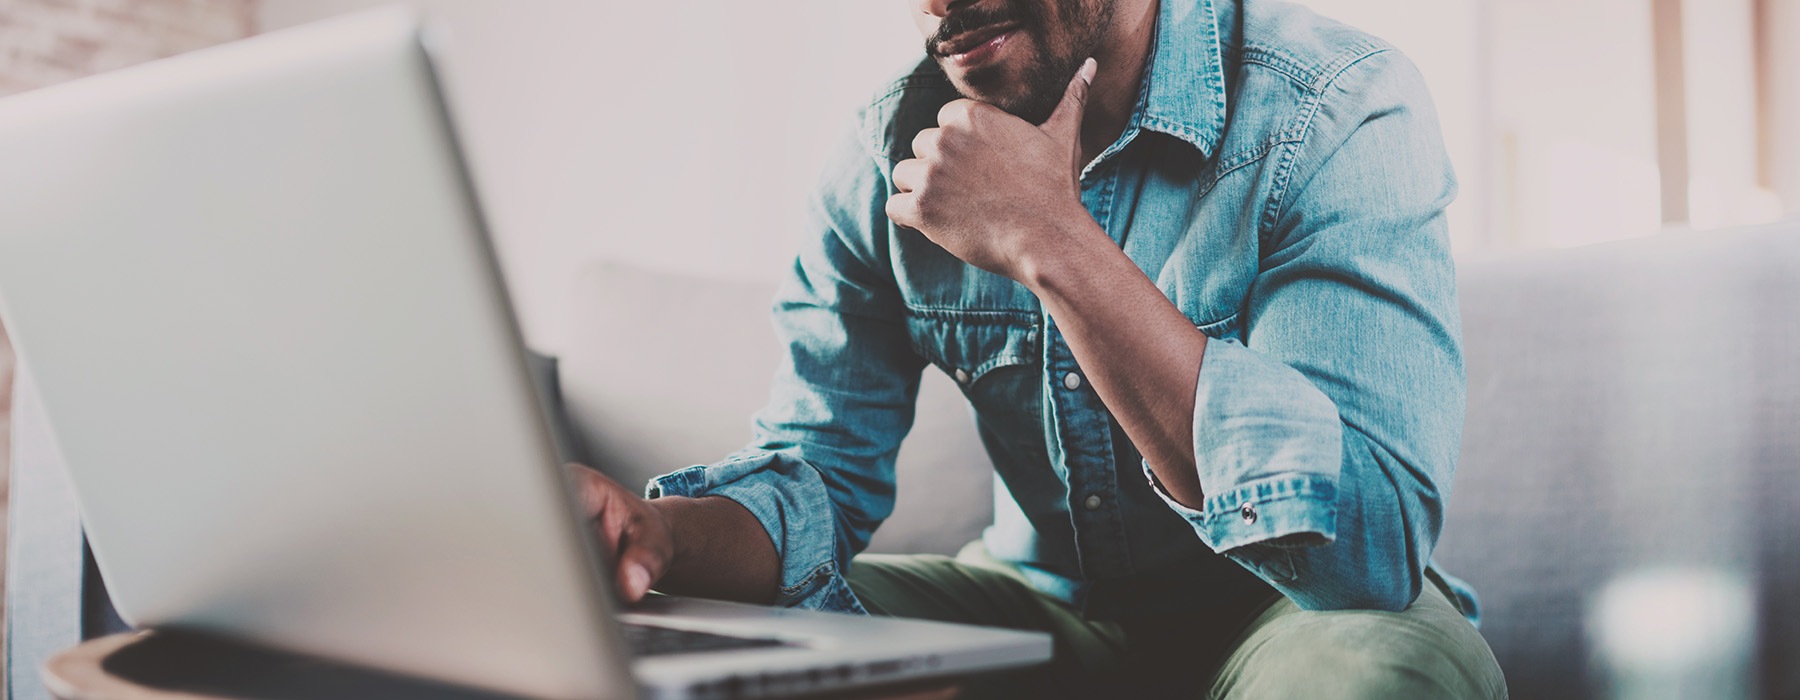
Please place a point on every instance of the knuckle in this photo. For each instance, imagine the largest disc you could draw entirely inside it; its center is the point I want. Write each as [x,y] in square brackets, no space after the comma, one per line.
[925,141]
[922,174]
[956,112]
[980,112]
[903,210]
[906,175]
[653,558]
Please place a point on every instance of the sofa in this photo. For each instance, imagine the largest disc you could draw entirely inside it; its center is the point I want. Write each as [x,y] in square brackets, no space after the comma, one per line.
[1631,405]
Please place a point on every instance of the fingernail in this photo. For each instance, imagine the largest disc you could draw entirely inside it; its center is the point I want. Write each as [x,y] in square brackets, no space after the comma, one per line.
[1088,68]
[638,581]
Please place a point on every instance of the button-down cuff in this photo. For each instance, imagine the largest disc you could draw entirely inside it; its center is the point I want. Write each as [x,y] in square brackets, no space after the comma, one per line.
[791,502]
[1268,449]
[1296,509]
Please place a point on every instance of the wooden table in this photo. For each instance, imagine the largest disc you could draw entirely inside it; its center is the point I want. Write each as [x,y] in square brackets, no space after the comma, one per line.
[177,666]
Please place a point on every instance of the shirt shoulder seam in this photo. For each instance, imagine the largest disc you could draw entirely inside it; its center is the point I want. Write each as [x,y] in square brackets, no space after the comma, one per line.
[1312,78]
[1303,132]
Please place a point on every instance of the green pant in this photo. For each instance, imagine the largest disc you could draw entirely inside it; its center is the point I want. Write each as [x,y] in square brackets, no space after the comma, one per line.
[1279,652]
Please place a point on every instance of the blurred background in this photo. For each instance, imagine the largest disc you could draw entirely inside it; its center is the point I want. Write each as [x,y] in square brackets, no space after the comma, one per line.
[685,136]
[593,124]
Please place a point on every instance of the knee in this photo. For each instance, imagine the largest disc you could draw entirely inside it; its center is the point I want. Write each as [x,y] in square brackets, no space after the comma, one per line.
[933,587]
[1318,668]
[1361,656]
[896,585]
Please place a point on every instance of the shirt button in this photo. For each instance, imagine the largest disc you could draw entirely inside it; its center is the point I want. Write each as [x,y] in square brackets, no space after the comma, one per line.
[962,376]
[1072,381]
[1092,502]
[1249,513]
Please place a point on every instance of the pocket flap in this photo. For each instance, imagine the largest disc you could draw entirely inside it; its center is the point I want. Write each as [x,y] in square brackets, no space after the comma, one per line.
[967,344]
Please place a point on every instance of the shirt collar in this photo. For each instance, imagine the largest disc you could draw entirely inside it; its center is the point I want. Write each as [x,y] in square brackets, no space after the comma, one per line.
[1184,87]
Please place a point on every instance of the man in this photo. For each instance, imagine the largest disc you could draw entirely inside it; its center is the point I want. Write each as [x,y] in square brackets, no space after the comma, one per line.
[1188,262]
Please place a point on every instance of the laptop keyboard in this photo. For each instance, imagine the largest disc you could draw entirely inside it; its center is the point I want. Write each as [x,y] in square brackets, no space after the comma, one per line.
[651,640]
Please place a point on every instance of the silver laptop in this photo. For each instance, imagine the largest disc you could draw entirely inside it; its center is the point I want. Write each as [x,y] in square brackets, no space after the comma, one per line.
[254,289]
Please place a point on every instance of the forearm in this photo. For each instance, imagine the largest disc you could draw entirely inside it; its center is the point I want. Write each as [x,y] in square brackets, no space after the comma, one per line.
[721,551]
[1140,354]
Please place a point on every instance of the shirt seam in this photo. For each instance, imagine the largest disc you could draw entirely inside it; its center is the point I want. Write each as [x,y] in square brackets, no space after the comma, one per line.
[1313,79]
[1248,157]
[1284,169]
[1278,191]
[982,316]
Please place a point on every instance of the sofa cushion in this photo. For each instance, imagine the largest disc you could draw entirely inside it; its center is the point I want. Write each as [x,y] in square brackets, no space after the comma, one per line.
[1630,405]
[664,370]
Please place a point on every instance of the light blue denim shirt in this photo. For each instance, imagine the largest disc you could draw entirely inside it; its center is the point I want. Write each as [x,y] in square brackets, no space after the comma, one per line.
[1283,181]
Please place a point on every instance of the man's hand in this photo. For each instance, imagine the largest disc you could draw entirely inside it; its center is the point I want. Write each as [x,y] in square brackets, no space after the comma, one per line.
[709,547]
[988,186]
[635,534]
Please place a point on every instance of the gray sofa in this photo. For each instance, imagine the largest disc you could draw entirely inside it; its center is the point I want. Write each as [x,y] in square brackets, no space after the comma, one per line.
[1630,404]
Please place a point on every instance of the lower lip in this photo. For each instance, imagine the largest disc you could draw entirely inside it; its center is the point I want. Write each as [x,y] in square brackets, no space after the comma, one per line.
[983,53]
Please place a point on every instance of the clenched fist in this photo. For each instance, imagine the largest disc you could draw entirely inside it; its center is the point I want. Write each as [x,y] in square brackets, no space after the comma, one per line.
[990,187]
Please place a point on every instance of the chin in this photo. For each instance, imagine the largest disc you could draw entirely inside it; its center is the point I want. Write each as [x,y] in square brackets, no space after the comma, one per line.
[993,84]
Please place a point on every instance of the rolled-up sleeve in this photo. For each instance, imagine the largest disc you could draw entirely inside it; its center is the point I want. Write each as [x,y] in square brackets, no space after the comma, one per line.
[1326,440]
[819,470]
[1263,428]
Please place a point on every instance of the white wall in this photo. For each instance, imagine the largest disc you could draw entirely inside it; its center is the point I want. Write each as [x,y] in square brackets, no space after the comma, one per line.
[669,135]
[1574,97]
[1550,112]
[1784,108]
[1724,187]
[1443,38]
[687,135]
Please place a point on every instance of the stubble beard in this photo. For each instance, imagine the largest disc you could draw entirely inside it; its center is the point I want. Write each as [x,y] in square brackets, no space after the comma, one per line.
[1047,72]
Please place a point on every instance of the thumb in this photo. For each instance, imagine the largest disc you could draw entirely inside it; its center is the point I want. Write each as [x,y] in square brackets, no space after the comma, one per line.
[1065,122]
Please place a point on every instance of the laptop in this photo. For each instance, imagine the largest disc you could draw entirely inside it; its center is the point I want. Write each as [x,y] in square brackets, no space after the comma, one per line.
[255,292]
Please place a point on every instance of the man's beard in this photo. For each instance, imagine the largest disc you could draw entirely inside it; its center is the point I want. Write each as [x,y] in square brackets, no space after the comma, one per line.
[1048,70]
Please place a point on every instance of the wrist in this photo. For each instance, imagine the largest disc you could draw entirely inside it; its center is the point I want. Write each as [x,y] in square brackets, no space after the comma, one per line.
[717,549]
[1053,252]
[669,510]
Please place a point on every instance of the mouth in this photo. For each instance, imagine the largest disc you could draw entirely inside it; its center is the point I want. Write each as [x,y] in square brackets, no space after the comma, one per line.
[976,43]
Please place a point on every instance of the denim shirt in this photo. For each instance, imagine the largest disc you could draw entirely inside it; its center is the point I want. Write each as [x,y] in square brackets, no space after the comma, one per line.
[1283,181]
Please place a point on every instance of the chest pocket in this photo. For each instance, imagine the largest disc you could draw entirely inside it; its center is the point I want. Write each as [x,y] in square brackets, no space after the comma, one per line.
[996,359]
[968,344]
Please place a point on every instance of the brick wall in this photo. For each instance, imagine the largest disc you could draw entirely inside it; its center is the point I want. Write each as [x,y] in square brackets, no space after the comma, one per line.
[49,41]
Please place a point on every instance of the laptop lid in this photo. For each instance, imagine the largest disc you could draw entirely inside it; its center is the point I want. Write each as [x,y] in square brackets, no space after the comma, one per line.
[254,289]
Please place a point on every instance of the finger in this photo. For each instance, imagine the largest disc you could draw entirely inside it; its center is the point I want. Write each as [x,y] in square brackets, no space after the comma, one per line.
[640,564]
[590,488]
[909,175]
[925,144]
[600,503]
[903,209]
[1065,123]
[634,581]
[613,521]
[958,112]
